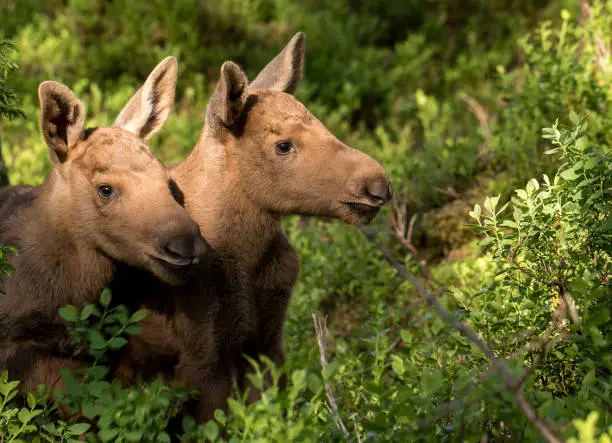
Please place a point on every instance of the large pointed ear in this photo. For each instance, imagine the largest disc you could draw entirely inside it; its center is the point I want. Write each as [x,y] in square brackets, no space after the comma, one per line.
[149,108]
[227,102]
[62,117]
[284,72]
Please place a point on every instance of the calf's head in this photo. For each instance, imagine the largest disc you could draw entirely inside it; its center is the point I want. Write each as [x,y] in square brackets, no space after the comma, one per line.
[283,157]
[113,194]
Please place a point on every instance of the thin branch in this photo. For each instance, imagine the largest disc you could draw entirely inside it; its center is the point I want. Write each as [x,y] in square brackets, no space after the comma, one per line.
[4,181]
[511,383]
[356,430]
[398,225]
[448,191]
[481,114]
[320,328]
[512,260]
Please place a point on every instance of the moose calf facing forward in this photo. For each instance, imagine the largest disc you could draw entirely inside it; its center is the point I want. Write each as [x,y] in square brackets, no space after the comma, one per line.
[106,201]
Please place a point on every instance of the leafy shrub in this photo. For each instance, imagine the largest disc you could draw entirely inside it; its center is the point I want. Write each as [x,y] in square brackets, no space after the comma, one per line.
[451,98]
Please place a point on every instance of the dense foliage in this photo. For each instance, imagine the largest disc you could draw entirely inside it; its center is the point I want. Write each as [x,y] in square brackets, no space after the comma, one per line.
[458,102]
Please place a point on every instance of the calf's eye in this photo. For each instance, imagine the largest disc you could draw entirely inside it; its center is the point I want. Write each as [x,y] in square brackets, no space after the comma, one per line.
[106,192]
[284,148]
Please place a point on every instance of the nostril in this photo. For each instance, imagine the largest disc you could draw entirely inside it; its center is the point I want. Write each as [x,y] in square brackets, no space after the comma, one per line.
[378,191]
[180,247]
[201,247]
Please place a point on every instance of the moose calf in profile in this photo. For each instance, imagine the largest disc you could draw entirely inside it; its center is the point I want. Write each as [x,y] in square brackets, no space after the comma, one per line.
[106,201]
[261,155]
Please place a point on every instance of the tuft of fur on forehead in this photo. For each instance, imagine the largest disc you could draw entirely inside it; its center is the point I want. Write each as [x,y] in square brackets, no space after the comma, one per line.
[270,111]
[111,147]
[281,104]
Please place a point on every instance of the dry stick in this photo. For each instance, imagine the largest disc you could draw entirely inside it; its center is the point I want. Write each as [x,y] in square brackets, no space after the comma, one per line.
[320,327]
[481,114]
[4,181]
[356,430]
[542,346]
[467,332]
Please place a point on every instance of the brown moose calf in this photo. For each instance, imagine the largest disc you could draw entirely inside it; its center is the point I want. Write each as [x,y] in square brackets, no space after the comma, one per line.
[261,155]
[107,200]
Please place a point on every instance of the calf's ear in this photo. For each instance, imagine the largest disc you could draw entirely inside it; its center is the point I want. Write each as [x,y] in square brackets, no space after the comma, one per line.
[62,116]
[149,108]
[228,101]
[285,70]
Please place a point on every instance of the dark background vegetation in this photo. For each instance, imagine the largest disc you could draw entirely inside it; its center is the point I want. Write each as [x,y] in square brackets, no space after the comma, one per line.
[451,96]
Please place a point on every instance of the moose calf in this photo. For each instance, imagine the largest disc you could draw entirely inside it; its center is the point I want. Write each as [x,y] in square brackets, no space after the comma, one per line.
[106,201]
[261,155]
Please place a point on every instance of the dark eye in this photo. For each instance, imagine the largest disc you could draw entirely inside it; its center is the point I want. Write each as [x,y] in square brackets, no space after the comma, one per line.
[105,191]
[284,148]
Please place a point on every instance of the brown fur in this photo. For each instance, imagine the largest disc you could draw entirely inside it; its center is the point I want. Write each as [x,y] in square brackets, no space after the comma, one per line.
[70,235]
[236,188]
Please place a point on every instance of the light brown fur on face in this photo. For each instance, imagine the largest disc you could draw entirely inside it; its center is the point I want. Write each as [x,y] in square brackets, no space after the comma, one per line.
[319,176]
[128,227]
[237,187]
[107,201]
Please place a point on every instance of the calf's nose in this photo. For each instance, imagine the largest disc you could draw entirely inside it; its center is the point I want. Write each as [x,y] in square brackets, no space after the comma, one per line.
[186,247]
[378,190]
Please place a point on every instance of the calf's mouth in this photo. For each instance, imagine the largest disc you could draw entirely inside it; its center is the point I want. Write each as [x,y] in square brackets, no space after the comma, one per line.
[364,212]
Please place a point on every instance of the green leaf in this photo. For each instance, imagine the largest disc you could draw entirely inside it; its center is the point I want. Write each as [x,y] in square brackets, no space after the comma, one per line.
[314,382]
[397,364]
[79,428]
[528,304]
[589,379]
[133,329]
[105,297]
[96,372]
[135,436]
[210,430]
[331,370]
[431,382]
[24,416]
[574,118]
[298,377]
[138,316]
[91,410]
[406,336]
[522,194]
[485,241]
[116,343]
[591,162]
[582,143]
[31,400]
[69,313]
[569,174]
[96,340]
[220,416]
[487,205]
[87,311]
[510,224]
[108,434]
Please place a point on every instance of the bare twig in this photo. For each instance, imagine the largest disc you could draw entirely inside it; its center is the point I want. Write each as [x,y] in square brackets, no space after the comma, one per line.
[584,11]
[356,430]
[4,181]
[399,227]
[481,114]
[510,382]
[512,260]
[320,326]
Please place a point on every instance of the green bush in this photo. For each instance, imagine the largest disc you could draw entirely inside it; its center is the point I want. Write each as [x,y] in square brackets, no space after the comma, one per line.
[452,98]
